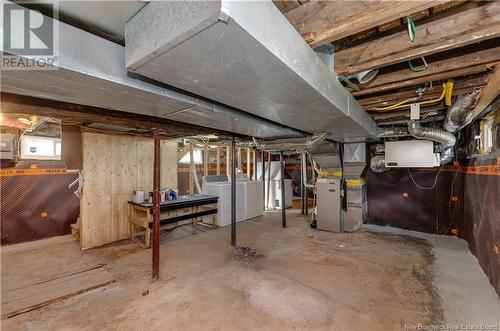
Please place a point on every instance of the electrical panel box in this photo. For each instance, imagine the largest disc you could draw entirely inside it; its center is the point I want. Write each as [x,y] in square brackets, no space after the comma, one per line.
[410,154]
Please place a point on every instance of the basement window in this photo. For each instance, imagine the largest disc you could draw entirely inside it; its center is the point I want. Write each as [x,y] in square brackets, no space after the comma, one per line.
[486,139]
[197,155]
[40,148]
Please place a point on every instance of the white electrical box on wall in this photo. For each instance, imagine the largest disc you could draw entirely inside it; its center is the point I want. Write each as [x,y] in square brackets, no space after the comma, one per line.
[410,154]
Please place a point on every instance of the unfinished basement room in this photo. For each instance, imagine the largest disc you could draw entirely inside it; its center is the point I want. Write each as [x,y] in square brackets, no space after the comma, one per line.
[250,165]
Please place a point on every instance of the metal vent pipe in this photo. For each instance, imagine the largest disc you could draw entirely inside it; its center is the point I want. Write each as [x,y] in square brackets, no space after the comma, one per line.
[446,139]
[290,144]
[377,164]
[393,132]
[461,113]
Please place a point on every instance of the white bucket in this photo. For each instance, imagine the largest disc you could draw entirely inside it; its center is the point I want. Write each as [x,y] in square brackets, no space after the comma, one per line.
[138,196]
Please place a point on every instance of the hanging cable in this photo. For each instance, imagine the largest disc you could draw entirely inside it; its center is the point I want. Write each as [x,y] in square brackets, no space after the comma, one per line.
[418,68]
[406,103]
[412,29]
[425,188]
[412,34]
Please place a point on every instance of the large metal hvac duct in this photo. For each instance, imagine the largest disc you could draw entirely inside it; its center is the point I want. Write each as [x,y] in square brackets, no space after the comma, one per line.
[244,54]
[91,71]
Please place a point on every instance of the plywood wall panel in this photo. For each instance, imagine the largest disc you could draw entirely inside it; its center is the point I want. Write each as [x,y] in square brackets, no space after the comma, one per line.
[114,166]
[168,171]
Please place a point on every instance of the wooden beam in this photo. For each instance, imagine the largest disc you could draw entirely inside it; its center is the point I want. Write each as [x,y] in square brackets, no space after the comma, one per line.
[460,87]
[254,162]
[455,29]
[75,113]
[489,92]
[228,159]
[191,176]
[286,5]
[218,160]
[431,78]
[472,59]
[436,93]
[248,162]
[205,160]
[328,21]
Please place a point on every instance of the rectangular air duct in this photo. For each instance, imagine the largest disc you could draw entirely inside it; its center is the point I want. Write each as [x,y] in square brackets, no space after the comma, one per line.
[91,71]
[244,54]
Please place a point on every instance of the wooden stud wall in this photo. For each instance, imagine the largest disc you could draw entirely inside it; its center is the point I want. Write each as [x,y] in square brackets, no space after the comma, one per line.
[114,166]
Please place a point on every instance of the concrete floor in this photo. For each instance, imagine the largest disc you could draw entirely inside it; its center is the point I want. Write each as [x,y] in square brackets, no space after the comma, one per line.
[374,279]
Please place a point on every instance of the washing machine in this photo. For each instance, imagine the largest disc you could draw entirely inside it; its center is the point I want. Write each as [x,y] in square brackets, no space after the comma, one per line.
[223,191]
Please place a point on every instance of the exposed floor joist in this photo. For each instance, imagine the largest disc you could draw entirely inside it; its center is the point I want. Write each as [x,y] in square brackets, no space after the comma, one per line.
[460,87]
[329,21]
[444,64]
[286,5]
[457,28]
[76,113]
[489,93]
[460,72]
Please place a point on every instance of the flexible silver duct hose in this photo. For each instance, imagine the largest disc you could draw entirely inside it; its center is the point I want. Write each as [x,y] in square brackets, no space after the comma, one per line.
[461,113]
[445,139]
[378,149]
[290,144]
[377,164]
[392,132]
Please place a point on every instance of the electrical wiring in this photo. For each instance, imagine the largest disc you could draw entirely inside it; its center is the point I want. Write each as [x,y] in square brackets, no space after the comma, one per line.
[405,103]
[425,188]
[412,34]
[417,68]
[412,29]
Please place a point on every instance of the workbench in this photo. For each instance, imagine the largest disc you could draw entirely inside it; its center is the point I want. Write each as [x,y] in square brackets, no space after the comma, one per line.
[187,207]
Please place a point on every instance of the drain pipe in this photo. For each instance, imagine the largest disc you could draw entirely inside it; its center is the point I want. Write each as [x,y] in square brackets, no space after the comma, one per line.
[445,139]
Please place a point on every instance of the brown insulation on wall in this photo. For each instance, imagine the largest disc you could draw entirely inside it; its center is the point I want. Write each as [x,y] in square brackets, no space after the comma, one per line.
[393,199]
[36,202]
[481,221]
[464,202]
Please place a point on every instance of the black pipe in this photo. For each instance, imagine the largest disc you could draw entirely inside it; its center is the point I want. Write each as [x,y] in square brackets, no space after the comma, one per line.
[233,193]
[302,188]
[283,205]
[264,179]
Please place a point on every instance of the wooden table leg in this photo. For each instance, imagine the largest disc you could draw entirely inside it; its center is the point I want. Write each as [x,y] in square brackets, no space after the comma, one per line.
[147,239]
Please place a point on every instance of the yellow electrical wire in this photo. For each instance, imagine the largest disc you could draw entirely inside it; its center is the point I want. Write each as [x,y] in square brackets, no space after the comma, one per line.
[446,94]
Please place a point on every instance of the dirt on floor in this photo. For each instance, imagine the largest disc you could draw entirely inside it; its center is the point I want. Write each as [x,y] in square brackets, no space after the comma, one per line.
[302,279]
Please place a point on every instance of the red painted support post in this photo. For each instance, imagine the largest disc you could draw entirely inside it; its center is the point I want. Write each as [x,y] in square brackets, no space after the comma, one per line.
[156,207]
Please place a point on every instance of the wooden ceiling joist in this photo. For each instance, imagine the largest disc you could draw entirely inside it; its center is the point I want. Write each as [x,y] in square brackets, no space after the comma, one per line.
[286,5]
[489,92]
[329,21]
[75,113]
[460,72]
[460,87]
[477,21]
[471,59]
